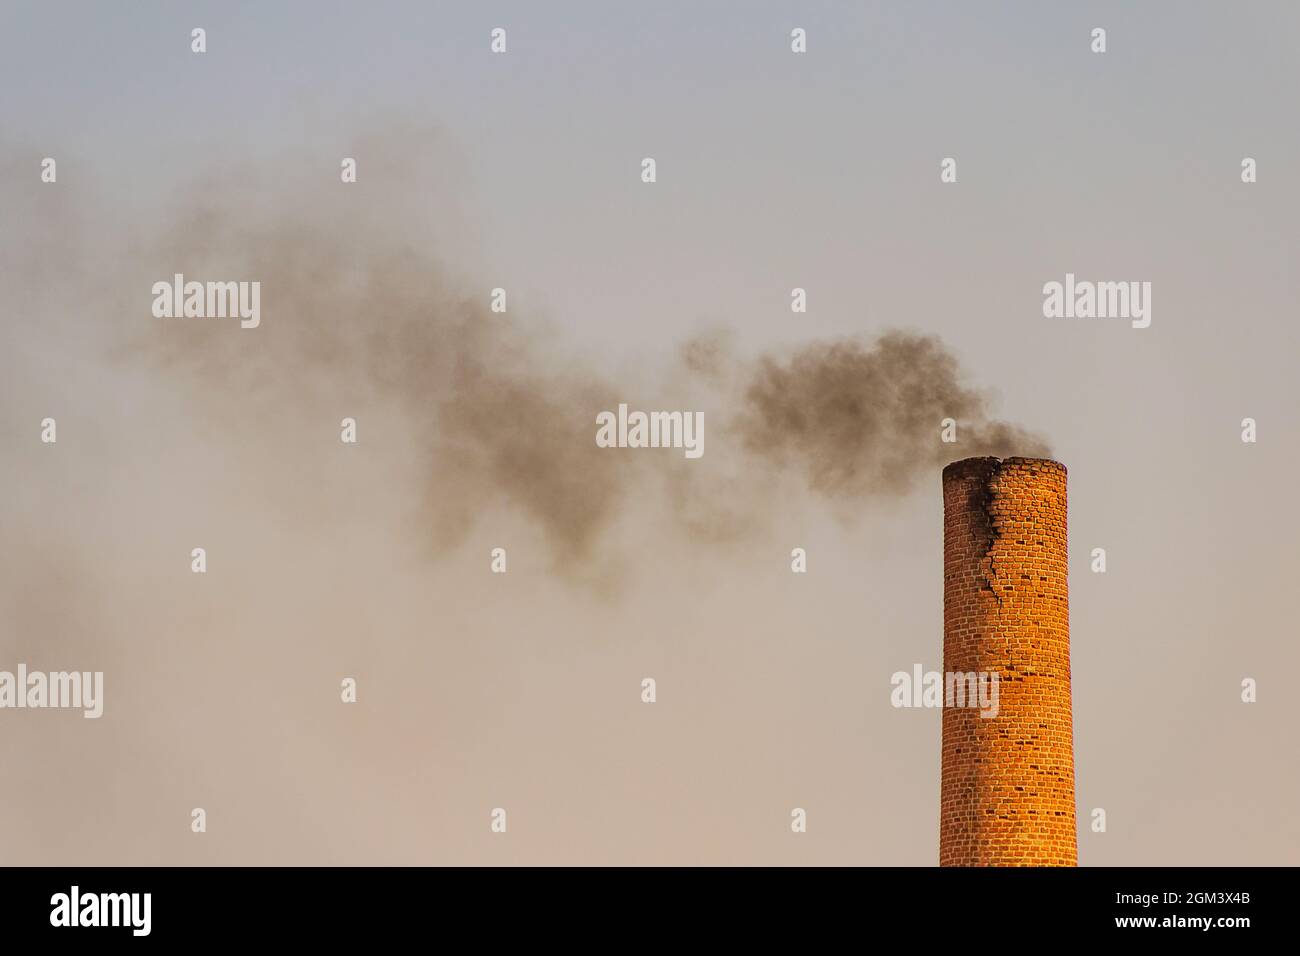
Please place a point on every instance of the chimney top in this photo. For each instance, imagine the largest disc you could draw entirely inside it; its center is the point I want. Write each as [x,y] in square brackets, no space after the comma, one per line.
[985,466]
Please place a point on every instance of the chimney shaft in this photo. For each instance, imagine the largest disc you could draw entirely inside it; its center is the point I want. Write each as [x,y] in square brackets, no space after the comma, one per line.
[1007,796]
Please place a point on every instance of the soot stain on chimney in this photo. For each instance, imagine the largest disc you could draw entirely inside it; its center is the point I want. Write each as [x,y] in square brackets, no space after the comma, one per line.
[982,495]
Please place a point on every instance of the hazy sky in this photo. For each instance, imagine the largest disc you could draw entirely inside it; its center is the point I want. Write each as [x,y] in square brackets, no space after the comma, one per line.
[522,170]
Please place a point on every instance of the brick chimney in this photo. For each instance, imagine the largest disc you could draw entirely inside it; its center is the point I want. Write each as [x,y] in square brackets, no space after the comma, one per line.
[1007,795]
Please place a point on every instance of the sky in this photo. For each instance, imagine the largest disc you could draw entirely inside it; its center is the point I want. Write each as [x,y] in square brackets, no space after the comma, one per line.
[523,170]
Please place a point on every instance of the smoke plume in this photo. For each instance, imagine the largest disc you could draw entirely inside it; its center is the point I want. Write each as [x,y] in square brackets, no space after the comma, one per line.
[359,308]
[864,419]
